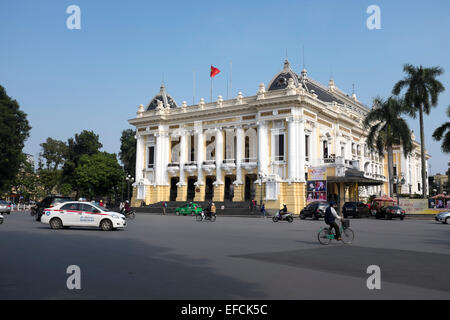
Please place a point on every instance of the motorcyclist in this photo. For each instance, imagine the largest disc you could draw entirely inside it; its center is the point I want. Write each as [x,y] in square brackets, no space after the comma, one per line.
[282,211]
[208,210]
[127,207]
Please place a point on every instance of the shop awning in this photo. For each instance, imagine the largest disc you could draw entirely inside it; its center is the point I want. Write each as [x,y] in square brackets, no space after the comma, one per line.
[354,176]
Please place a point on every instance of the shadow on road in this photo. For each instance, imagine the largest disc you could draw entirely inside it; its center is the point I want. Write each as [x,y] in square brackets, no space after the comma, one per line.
[34,266]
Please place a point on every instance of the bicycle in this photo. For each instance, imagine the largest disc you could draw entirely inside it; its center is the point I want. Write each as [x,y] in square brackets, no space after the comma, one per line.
[327,234]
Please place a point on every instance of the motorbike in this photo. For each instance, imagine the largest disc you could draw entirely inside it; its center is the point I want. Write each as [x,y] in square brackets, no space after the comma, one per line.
[205,216]
[129,215]
[283,217]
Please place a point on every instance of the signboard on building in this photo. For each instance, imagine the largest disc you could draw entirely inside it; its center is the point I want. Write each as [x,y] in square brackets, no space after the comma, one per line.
[418,206]
[316,186]
[317,173]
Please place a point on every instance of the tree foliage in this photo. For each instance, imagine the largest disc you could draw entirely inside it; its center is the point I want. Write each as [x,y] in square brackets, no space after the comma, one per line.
[98,175]
[127,152]
[422,92]
[14,130]
[387,128]
[444,132]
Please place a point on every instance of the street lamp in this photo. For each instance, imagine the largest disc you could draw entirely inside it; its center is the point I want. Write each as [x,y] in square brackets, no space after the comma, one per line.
[129,179]
[399,184]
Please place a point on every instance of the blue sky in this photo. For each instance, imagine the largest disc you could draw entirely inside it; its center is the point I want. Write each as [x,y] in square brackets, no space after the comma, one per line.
[95,78]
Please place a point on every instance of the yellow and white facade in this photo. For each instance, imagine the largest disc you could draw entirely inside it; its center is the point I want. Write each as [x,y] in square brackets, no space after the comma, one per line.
[255,147]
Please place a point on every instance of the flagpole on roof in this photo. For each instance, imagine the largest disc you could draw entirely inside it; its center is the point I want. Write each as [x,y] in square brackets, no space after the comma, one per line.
[193,88]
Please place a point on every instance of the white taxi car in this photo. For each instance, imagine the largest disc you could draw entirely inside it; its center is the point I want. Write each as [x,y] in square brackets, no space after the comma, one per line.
[82,214]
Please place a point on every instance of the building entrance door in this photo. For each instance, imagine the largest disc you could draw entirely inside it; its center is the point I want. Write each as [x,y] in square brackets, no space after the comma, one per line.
[209,188]
[229,188]
[174,188]
[191,188]
[250,187]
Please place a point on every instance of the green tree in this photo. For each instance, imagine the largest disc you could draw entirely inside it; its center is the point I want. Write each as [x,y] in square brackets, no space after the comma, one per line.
[387,128]
[98,175]
[422,92]
[84,143]
[444,132]
[127,152]
[26,182]
[14,130]
[51,160]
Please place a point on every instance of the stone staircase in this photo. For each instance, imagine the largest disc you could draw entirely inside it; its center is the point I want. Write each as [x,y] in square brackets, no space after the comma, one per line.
[225,208]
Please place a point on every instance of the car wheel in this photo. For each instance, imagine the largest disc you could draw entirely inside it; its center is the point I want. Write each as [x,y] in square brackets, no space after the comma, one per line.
[1,221]
[401,218]
[106,225]
[315,216]
[447,220]
[56,223]
[302,216]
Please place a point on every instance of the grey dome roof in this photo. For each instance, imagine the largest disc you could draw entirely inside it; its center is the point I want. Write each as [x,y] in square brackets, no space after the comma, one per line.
[281,79]
[164,97]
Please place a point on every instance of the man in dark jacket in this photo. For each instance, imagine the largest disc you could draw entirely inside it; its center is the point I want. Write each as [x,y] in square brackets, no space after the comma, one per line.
[330,219]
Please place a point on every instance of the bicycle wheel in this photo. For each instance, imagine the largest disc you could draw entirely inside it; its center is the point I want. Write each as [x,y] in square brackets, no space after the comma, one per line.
[347,236]
[323,236]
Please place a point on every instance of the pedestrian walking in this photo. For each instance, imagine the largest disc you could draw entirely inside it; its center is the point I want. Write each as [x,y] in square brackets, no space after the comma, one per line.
[263,210]
[164,207]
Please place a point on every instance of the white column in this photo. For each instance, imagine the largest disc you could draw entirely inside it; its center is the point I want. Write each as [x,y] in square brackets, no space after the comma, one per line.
[140,150]
[300,172]
[200,155]
[219,156]
[183,156]
[239,149]
[292,149]
[158,158]
[263,148]
[162,158]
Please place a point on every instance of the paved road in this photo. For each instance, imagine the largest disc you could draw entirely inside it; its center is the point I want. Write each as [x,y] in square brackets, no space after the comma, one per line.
[170,257]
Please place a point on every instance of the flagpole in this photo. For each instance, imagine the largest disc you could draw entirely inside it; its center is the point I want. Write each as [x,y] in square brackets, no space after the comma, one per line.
[210,100]
[193,89]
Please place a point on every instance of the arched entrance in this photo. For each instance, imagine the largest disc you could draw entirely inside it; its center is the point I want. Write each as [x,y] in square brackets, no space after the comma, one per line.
[229,188]
[191,188]
[250,187]
[209,188]
[174,188]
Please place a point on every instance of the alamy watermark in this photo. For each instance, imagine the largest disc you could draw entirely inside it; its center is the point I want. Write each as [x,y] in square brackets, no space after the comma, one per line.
[374,280]
[74,20]
[374,20]
[74,280]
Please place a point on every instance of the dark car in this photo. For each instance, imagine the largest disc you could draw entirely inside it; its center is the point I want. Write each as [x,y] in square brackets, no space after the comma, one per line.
[314,210]
[390,212]
[355,210]
[48,202]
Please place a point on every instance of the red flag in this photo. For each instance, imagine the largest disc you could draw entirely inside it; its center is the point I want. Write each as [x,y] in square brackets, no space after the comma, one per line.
[214,72]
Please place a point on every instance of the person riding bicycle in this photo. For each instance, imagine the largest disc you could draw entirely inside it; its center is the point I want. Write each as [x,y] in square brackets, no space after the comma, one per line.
[330,217]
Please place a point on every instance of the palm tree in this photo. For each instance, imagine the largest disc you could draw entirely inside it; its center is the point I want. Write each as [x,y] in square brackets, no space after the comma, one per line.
[422,91]
[439,133]
[388,129]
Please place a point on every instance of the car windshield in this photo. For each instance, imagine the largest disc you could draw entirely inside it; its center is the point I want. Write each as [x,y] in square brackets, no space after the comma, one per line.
[3,202]
[100,208]
[60,200]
